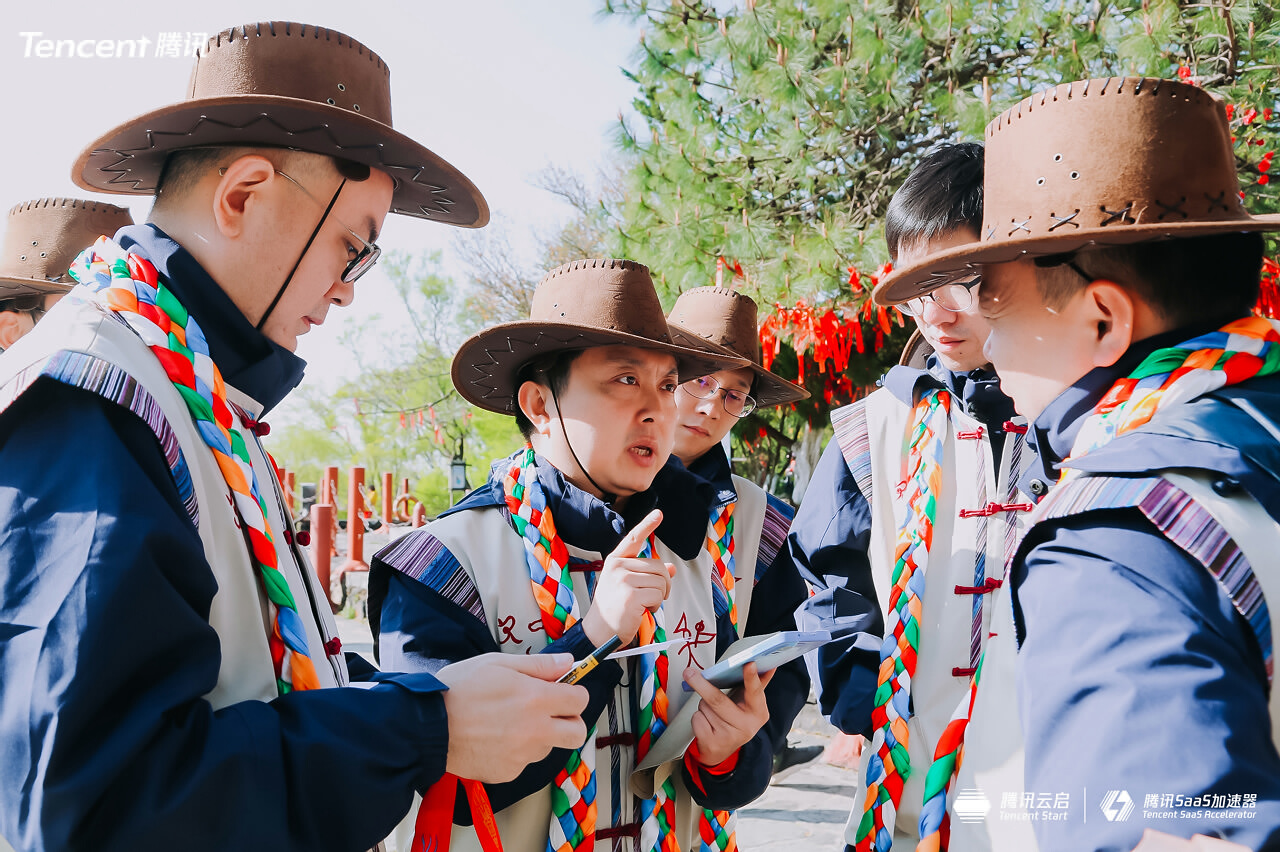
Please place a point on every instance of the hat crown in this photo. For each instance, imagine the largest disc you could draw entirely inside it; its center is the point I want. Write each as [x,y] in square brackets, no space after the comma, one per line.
[721,316]
[1108,153]
[287,59]
[610,294]
[43,237]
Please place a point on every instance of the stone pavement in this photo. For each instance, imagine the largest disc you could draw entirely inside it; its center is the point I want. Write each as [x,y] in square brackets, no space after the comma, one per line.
[804,809]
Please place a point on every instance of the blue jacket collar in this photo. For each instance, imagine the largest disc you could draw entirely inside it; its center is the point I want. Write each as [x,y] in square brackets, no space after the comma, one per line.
[588,523]
[978,391]
[1054,432]
[713,479]
[248,360]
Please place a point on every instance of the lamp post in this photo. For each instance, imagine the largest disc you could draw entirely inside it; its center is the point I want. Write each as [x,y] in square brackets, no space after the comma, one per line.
[458,474]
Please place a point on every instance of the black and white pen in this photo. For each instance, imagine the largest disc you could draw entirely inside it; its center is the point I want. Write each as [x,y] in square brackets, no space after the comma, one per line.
[584,667]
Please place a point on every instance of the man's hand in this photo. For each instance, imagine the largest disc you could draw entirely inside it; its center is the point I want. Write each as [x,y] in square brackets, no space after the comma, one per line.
[725,723]
[506,712]
[627,587]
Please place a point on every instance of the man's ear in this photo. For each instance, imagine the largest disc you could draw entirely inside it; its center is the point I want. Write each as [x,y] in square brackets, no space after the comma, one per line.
[11,328]
[1110,310]
[237,192]
[536,403]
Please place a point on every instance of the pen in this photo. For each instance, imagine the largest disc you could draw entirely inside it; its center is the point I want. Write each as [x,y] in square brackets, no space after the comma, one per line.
[583,668]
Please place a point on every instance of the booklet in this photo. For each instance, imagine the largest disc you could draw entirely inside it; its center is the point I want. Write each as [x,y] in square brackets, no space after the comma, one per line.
[767,652]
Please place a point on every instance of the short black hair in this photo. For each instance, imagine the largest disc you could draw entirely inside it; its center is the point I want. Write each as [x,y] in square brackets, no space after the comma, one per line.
[184,168]
[1187,281]
[942,193]
[551,370]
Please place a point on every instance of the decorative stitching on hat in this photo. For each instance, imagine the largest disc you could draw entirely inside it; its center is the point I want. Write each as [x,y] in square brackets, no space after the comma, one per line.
[591,263]
[74,203]
[1059,221]
[230,35]
[1176,207]
[1021,226]
[1218,200]
[1121,215]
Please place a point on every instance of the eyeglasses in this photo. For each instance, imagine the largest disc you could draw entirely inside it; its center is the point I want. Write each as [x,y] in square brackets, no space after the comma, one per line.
[954,296]
[365,258]
[736,403]
[33,305]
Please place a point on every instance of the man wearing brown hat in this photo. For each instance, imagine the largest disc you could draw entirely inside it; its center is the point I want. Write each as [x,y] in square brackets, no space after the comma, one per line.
[171,670]
[40,241]
[1119,270]
[725,320]
[562,550]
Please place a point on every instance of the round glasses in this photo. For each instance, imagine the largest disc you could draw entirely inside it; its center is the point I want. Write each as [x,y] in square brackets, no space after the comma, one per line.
[953,296]
[736,403]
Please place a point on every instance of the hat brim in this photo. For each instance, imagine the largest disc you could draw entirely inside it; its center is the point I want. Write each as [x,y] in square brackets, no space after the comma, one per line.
[12,288]
[129,159]
[917,351]
[934,270]
[485,366]
[768,388]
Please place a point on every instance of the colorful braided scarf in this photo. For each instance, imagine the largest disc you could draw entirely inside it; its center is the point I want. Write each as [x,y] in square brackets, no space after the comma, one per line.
[717,830]
[889,765]
[1167,377]
[129,285]
[1234,353]
[574,812]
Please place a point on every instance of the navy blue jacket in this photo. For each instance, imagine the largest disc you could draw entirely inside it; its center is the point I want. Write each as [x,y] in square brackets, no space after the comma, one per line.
[417,628]
[1135,673]
[830,537]
[106,649]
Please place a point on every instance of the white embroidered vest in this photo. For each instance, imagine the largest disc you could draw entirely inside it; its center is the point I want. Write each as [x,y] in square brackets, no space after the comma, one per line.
[993,762]
[494,557]
[973,479]
[239,609]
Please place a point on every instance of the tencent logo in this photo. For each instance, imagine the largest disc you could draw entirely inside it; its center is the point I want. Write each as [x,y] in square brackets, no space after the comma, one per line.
[1117,806]
[972,805]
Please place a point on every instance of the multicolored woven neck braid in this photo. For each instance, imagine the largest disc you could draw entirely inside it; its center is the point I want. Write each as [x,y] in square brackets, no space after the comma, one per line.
[129,285]
[935,821]
[1234,353]
[717,830]
[657,814]
[573,797]
[889,765]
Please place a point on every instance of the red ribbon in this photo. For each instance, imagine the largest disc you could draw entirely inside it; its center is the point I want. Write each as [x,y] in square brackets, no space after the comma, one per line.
[434,825]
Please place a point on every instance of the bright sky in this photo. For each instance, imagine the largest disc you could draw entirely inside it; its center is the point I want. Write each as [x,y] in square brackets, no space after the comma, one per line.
[499,88]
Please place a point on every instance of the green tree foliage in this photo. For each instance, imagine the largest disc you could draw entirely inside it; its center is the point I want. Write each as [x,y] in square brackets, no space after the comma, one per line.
[774,132]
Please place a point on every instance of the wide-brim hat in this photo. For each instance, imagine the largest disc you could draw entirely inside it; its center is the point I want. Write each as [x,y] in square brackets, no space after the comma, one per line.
[285,85]
[580,305]
[723,322]
[1102,162]
[43,237]
[917,351]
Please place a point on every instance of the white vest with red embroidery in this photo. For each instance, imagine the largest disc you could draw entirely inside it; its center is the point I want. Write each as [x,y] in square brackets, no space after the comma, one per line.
[493,556]
[85,345]
[968,529]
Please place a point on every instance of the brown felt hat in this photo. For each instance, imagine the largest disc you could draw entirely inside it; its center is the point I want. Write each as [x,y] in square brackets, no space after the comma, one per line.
[1101,162]
[580,305]
[43,237]
[723,322]
[917,351]
[285,85]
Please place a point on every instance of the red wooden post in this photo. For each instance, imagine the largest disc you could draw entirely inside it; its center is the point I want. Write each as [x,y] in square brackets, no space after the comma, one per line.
[321,537]
[329,495]
[290,485]
[419,515]
[388,501]
[355,523]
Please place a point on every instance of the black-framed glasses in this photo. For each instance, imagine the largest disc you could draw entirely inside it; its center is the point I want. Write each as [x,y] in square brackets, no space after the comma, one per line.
[735,402]
[369,252]
[33,305]
[953,296]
